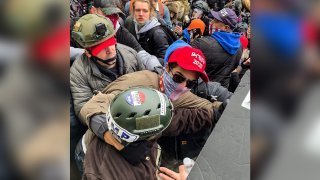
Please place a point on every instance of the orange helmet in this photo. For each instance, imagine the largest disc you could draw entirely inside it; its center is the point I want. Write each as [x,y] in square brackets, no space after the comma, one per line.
[197,23]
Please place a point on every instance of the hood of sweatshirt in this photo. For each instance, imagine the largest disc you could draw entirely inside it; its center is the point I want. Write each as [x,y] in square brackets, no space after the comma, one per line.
[230,42]
[177,44]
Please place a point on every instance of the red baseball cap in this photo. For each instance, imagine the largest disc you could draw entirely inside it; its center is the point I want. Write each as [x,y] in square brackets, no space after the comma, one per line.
[190,59]
[95,50]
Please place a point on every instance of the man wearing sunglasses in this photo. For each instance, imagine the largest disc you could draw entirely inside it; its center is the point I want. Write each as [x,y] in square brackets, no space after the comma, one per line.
[184,67]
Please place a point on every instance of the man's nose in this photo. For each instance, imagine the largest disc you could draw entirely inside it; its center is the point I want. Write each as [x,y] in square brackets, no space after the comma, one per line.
[108,49]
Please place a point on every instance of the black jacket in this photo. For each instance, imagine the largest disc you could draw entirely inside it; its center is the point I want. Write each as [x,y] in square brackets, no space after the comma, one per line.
[220,64]
[123,36]
[154,41]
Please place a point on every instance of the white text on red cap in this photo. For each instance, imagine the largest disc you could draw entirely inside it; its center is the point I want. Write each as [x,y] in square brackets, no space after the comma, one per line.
[198,58]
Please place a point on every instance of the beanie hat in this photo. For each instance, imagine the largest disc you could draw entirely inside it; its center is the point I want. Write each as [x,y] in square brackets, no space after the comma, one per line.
[197,23]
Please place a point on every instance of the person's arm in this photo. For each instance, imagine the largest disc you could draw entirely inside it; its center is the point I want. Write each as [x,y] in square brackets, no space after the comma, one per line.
[190,121]
[190,100]
[80,89]
[213,91]
[149,61]
[98,104]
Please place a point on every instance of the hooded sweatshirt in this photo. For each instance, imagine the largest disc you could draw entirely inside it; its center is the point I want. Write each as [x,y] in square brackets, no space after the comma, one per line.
[230,42]
[186,35]
[148,25]
[177,44]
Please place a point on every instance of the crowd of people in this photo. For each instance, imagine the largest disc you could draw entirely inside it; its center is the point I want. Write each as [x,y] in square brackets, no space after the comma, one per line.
[149,80]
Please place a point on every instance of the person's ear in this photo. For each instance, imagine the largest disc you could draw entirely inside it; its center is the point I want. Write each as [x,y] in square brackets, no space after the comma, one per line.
[227,28]
[93,10]
[167,67]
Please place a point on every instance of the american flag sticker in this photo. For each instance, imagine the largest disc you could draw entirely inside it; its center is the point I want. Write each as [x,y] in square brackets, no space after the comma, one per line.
[135,98]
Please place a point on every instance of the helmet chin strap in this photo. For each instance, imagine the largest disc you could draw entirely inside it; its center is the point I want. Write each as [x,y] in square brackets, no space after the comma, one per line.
[108,62]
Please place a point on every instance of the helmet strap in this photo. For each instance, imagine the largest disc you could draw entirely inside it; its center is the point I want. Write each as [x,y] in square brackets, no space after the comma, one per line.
[108,62]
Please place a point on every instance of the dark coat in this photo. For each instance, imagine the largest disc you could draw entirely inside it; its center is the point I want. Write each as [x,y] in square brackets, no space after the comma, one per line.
[220,64]
[154,41]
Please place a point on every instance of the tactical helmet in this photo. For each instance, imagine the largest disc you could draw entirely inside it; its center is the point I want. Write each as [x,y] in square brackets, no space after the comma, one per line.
[201,5]
[92,29]
[138,114]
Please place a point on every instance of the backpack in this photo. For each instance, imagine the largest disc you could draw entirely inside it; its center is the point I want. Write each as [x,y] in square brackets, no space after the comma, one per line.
[172,37]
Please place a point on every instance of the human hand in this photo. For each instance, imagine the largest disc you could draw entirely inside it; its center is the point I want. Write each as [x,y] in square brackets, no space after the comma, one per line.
[178,30]
[167,174]
[247,62]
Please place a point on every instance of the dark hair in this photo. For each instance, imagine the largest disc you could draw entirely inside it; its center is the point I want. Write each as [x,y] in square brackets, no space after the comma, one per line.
[172,65]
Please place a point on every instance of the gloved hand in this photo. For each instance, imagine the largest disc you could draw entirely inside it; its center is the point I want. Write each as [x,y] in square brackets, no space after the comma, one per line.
[136,152]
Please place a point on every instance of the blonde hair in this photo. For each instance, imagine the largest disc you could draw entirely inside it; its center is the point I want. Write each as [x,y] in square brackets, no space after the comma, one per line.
[151,7]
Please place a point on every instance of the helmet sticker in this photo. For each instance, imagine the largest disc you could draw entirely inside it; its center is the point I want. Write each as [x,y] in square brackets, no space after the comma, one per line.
[135,98]
[162,103]
[119,131]
[77,26]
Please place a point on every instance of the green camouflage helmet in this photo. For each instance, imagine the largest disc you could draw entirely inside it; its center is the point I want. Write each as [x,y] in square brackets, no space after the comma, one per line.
[92,29]
[138,114]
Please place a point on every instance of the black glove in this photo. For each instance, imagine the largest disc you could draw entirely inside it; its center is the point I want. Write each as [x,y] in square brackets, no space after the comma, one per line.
[136,152]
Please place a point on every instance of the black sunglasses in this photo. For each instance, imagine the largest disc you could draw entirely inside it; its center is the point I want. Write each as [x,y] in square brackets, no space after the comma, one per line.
[180,79]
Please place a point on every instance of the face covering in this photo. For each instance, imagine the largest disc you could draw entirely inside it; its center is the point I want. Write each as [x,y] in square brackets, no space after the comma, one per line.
[172,89]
